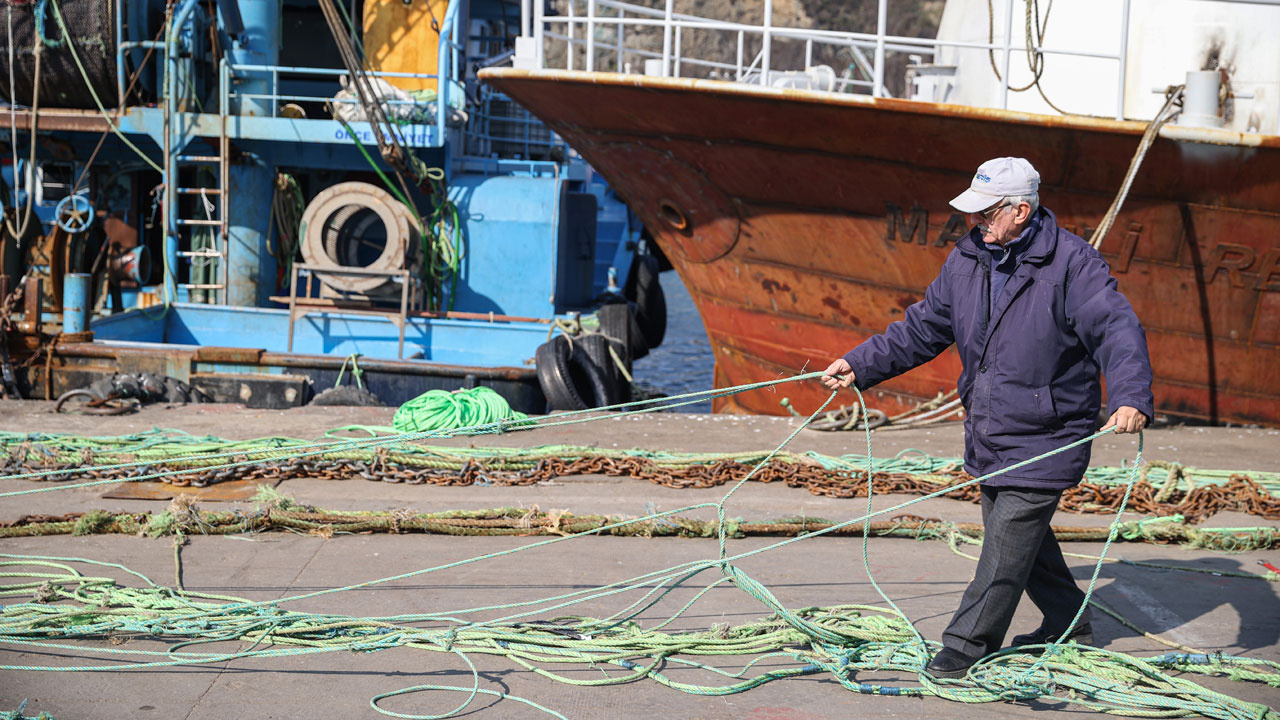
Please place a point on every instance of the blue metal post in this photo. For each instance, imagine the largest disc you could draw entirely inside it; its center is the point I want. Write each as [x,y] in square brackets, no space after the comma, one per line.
[251,269]
[257,44]
[444,69]
[75,302]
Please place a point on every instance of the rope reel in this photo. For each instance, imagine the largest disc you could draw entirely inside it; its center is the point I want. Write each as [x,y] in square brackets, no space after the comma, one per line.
[357,225]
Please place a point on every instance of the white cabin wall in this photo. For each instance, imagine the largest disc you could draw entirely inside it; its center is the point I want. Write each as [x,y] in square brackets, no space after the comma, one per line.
[1166,39]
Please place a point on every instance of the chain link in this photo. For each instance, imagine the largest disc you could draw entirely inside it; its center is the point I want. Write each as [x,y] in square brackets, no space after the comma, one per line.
[1239,493]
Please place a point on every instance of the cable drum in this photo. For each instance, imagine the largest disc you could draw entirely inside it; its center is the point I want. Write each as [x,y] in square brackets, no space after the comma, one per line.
[355,224]
[91,24]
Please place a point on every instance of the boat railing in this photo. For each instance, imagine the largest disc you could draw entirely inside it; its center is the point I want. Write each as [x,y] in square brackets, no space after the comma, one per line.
[500,127]
[273,99]
[630,22]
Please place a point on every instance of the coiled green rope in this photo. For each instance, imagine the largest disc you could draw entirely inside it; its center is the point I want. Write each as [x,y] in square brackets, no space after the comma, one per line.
[444,410]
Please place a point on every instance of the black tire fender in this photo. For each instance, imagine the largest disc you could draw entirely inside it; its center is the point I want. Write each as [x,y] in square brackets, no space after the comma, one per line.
[569,379]
[596,347]
[651,302]
[618,321]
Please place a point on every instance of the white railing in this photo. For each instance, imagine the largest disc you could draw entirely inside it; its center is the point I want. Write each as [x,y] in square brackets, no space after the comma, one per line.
[586,17]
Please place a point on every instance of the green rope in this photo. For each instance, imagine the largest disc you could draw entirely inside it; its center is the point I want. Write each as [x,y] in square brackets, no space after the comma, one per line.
[40,32]
[18,714]
[256,456]
[842,640]
[374,164]
[444,410]
[356,372]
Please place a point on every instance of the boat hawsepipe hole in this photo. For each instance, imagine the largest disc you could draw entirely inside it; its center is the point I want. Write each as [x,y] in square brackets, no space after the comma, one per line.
[673,215]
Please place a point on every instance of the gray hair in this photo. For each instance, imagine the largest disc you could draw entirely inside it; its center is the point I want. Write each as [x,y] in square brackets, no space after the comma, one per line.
[1033,200]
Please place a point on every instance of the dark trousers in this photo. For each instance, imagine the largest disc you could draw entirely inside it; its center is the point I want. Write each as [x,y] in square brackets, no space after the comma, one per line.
[1019,552]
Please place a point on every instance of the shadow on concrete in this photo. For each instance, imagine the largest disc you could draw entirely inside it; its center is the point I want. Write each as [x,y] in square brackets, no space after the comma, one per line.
[1167,599]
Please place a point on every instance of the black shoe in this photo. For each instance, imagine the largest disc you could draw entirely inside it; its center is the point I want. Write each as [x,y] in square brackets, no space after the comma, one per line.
[950,663]
[1082,635]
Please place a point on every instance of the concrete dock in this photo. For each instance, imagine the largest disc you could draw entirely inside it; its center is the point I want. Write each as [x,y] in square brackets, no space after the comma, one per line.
[1206,611]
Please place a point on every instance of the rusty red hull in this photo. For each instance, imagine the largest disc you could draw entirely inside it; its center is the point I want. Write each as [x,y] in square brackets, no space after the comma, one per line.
[803,223]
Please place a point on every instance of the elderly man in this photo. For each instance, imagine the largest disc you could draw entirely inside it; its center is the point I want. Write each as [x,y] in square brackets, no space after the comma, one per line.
[1034,314]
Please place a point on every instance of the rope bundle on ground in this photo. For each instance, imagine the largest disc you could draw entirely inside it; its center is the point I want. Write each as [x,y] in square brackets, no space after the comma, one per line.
[444,410]
[1164,489]
[60,603]
[524,522]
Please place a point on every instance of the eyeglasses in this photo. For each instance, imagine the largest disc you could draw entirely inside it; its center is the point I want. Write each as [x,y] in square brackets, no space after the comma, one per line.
[989,214]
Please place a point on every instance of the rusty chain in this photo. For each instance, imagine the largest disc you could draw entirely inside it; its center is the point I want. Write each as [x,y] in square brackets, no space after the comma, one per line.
[1239,493]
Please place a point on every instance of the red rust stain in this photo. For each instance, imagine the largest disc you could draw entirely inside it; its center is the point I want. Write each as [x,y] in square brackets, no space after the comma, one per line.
[834,304]
[906,301]
[771,285]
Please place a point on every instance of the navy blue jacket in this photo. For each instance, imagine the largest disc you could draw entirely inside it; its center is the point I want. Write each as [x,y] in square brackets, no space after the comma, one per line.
[1031,361]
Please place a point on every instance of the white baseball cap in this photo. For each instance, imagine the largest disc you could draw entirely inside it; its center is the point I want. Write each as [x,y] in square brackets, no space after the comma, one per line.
[997,179]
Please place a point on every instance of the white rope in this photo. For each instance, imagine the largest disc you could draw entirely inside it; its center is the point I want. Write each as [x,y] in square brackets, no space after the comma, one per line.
[1148,139]
[21,230]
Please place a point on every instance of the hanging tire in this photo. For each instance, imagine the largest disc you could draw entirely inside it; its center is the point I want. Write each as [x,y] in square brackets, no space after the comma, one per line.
[645,290]
[596,348]
[569,379]
[618,321]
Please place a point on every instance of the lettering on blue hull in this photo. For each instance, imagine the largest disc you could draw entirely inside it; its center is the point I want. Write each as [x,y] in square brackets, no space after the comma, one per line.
[366,136]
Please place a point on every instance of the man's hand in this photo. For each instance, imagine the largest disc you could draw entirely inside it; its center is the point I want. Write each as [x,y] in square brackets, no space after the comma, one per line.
[1126,420]
[838,367]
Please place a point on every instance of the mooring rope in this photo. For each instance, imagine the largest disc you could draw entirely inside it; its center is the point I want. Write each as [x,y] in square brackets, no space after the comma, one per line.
[314,449]
[840,640]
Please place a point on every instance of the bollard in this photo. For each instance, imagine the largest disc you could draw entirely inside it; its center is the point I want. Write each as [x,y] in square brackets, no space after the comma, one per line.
[75,302]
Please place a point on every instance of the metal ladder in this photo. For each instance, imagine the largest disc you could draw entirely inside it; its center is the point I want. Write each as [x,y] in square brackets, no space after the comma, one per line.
[177,154]
[217,218]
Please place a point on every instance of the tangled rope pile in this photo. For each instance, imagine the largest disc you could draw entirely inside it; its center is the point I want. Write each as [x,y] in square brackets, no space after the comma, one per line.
[60,603]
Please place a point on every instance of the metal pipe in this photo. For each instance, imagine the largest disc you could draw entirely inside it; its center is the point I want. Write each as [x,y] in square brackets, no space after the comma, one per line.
[224,174]
[1124,58]
[172,51]
[569,46]
[591,35]
[538,30]
[666,39]
[679,44]
[621,34]
[1008,43]
[767,42]
[293,70]
[526,17]
[444,71]
[251,268]
[898,43]
[881,27]
[120,53]
[741,38]
[75,302]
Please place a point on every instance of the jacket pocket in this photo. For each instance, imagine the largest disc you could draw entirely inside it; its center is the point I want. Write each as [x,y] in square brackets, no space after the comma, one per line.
[1024,411]
[1048,412]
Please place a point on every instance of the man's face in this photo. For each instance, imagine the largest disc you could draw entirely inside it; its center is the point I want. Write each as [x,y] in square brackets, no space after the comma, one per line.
[1001,223]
